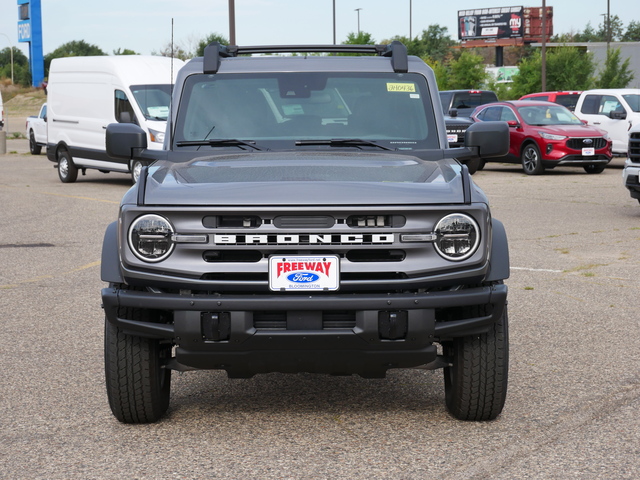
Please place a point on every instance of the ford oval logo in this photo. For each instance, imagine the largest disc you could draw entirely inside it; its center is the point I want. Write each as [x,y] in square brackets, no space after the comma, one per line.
[587,141]
[303,277]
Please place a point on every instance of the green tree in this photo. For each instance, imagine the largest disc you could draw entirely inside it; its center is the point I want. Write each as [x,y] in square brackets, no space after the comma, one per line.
[615,74]
[362,38]
[126,51]
[214,37]
[75,48]
[435,42]
[588,35]
[175,51]
[633,32]
[568,68]
[21,73]
[467,71]
[616,27]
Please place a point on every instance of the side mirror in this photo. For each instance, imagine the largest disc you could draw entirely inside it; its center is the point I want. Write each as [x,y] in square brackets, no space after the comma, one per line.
[125,140]
[617,115]
[453,112]
[491,139]
[513,123]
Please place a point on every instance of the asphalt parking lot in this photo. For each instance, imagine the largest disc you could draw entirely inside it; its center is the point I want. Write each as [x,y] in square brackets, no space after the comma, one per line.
[574,391]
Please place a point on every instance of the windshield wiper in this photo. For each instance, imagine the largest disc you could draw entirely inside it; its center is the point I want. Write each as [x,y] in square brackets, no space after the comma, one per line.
[227,142]
[343,142]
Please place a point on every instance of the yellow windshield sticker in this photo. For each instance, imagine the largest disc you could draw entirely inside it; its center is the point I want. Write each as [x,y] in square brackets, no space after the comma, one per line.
[401,87]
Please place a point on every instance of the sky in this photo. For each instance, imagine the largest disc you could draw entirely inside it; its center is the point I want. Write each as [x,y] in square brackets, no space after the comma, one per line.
[145,25]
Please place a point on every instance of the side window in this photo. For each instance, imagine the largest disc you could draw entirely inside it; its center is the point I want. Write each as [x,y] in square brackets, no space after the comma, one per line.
[591,105]
[609,104]
[43,113]
[123,110]
[508,115]
[492,114]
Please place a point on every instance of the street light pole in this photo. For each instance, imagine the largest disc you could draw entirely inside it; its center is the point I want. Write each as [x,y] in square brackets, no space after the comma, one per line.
[358,10]
[10,50]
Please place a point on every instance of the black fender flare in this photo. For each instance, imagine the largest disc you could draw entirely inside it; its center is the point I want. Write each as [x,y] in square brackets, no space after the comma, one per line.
[499,259]
[110,263]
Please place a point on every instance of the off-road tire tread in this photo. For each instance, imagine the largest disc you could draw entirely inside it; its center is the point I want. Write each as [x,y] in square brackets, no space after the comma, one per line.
[136,395]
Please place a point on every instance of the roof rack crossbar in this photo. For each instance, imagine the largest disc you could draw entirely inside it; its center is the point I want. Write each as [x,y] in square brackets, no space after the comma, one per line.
[214,51]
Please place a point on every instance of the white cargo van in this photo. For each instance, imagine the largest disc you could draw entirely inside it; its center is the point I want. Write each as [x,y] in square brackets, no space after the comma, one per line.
[85,94]
[614,110]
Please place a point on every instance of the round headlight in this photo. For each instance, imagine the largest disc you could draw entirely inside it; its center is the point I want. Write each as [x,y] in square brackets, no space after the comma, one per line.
[458,237]
[150,238]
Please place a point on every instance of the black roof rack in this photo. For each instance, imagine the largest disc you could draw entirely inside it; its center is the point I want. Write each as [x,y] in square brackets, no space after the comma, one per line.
[396,50]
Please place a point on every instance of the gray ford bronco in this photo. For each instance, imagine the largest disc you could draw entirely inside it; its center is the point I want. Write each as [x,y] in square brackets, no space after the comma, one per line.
[305,215]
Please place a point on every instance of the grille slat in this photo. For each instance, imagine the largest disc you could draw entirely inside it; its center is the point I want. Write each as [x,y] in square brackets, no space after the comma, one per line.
[578,143]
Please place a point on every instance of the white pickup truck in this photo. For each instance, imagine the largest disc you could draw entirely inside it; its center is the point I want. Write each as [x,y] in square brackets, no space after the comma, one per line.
[37,131]
[614,110]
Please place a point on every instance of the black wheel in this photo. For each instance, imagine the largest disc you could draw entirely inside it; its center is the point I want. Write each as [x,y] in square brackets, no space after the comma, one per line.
[34,148]
[473,165]
[138,386]
[476,383]
[531,160]
[591,168]
[67,171]
[136,168]
[483,162]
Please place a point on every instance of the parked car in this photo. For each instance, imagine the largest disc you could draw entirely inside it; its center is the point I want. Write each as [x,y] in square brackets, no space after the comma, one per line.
[545,135]
[456,129]
[465,101]
[567,99]
[631,172]
[36,128]
[615,110]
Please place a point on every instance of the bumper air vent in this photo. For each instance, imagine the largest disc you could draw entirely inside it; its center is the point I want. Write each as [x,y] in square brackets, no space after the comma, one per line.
[369,221]
[313,221]
[231,221]
[241,256]
[376,255]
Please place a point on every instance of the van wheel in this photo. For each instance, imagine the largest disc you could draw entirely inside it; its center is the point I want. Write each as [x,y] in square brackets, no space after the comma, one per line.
[34,148]
[67,171]
[136,169]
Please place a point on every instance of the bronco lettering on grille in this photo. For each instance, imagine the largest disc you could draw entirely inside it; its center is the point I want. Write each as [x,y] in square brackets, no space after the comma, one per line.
[304,239]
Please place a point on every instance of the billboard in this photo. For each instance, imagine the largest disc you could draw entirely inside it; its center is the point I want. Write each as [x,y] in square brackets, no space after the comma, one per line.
[499,22]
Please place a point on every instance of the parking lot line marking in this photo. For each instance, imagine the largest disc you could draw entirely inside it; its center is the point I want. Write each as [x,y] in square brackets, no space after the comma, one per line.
[536,269]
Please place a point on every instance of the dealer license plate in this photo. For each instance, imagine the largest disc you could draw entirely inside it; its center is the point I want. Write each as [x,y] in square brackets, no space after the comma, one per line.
[307,273]
[588,151]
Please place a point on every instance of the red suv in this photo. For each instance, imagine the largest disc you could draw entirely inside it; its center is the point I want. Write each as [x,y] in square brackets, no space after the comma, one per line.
[566,99]
[545,135]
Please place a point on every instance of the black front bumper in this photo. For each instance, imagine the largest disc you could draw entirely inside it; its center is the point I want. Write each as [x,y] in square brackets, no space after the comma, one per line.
[306,343]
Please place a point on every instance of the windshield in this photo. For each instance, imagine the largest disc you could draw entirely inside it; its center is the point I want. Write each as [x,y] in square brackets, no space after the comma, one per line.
[384,110]
[153,100]
[548,115]
[634,101]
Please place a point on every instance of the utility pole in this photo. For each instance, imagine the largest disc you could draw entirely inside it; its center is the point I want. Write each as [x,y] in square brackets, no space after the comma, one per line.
[232,22]
[544,45]
[358,10]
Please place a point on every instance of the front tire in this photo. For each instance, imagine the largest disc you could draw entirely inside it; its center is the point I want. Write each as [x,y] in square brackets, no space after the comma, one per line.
[138,386]
[593,168]
[531,160]
[476,383]
[34,148]
[67,171]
